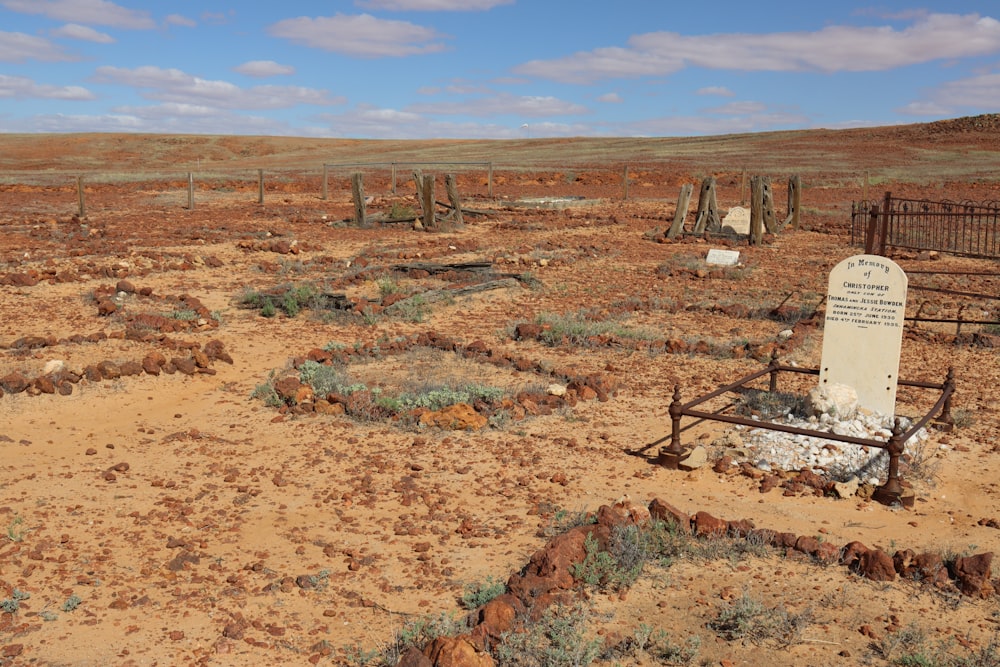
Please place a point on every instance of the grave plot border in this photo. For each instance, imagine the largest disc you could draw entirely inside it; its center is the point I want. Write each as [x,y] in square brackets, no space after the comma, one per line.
[889,493]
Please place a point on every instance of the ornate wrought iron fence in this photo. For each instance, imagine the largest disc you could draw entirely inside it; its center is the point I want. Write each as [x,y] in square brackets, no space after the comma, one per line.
[962,228]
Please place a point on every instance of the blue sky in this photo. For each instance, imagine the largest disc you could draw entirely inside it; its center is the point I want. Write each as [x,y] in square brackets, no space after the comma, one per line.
[411,69]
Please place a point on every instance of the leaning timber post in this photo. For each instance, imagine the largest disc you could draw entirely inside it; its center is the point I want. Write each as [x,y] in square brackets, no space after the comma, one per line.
[794,200]
[456,203]
[418,183]
[683,199]
[625,183]
[427,201]
[80,198]
[489,181]
[770,224]
[190,191]
[393,178]
[260,186]
[358,194]
[708,213]
[326,188]
[892,491]
[670,456]
[756,210]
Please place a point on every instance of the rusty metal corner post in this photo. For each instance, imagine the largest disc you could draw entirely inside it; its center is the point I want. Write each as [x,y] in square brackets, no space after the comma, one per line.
[670,456]
[892,492]
[949,391]
[773,369]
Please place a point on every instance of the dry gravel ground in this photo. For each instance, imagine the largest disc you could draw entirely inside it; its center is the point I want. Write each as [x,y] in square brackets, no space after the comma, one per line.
[172,519]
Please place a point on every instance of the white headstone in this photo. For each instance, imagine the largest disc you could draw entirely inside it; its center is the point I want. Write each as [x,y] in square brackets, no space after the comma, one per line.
[738,220]
[723,257]
[863,331]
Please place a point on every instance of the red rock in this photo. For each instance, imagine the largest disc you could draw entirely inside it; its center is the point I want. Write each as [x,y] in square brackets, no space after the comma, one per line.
[45,385]
[14,383]
[125,286]
[931,568]
[807,545]
[106,307]
[153,362]
[706,525]
[216,351]
[458,417]
[527,331]
[129,368]
[876,565]
[185,366]
[667,513]
[972,574]
[413,657]
[852,554]
[456,652]
[109,370]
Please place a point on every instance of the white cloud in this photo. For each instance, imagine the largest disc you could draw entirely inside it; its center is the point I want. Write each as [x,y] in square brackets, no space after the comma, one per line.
[264,68]
[432,5]
[737,108]
[721,91]
[504,104]
[82,32]
[362,35]
[95,12]
[672,126]
[610,98]
[16,47]
[955,97]
[173,85]
[831,49]
[154,120]
[177,19]
[376,123]
[16,87]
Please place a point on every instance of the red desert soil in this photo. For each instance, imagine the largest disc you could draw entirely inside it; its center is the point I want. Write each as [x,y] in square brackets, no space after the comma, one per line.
[157,513]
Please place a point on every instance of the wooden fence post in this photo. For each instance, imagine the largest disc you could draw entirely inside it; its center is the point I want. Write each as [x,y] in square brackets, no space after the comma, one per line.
[743,187]
[326,174]
[794,200]
[453,199]
[756,210]
[260,186]
[427,201]
[770,223]
[358,194]
[708,208]
[190,191]
[625,183]
[80,198]
[393,178]
[683,199]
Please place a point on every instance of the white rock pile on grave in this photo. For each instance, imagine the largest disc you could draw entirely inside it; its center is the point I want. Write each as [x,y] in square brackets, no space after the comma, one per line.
[838,461]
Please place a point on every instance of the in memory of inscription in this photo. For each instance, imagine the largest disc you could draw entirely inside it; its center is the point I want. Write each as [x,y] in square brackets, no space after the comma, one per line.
[863,331]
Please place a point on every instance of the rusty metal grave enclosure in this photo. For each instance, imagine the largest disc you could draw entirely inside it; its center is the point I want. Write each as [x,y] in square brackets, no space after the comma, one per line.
[891,492]
[961,228]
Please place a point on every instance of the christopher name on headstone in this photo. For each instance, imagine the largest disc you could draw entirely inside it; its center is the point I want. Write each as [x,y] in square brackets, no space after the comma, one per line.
[863,331]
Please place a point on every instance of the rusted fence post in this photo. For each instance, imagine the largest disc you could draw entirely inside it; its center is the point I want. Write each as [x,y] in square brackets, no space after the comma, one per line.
[883,234]
[670,456]
[326,173]
[260,186]
[190,191]
[393,178]
[772,385]
[625,182]
[892,491]
[358,194]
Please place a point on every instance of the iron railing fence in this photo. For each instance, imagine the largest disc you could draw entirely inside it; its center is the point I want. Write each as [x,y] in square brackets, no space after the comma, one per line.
[965,228]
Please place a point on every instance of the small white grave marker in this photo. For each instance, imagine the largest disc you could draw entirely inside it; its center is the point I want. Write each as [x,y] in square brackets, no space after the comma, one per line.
[723,257]
[738,220]
[863,330]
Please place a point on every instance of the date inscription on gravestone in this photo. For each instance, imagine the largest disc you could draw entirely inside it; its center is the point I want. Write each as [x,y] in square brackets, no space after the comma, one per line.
[863,330]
